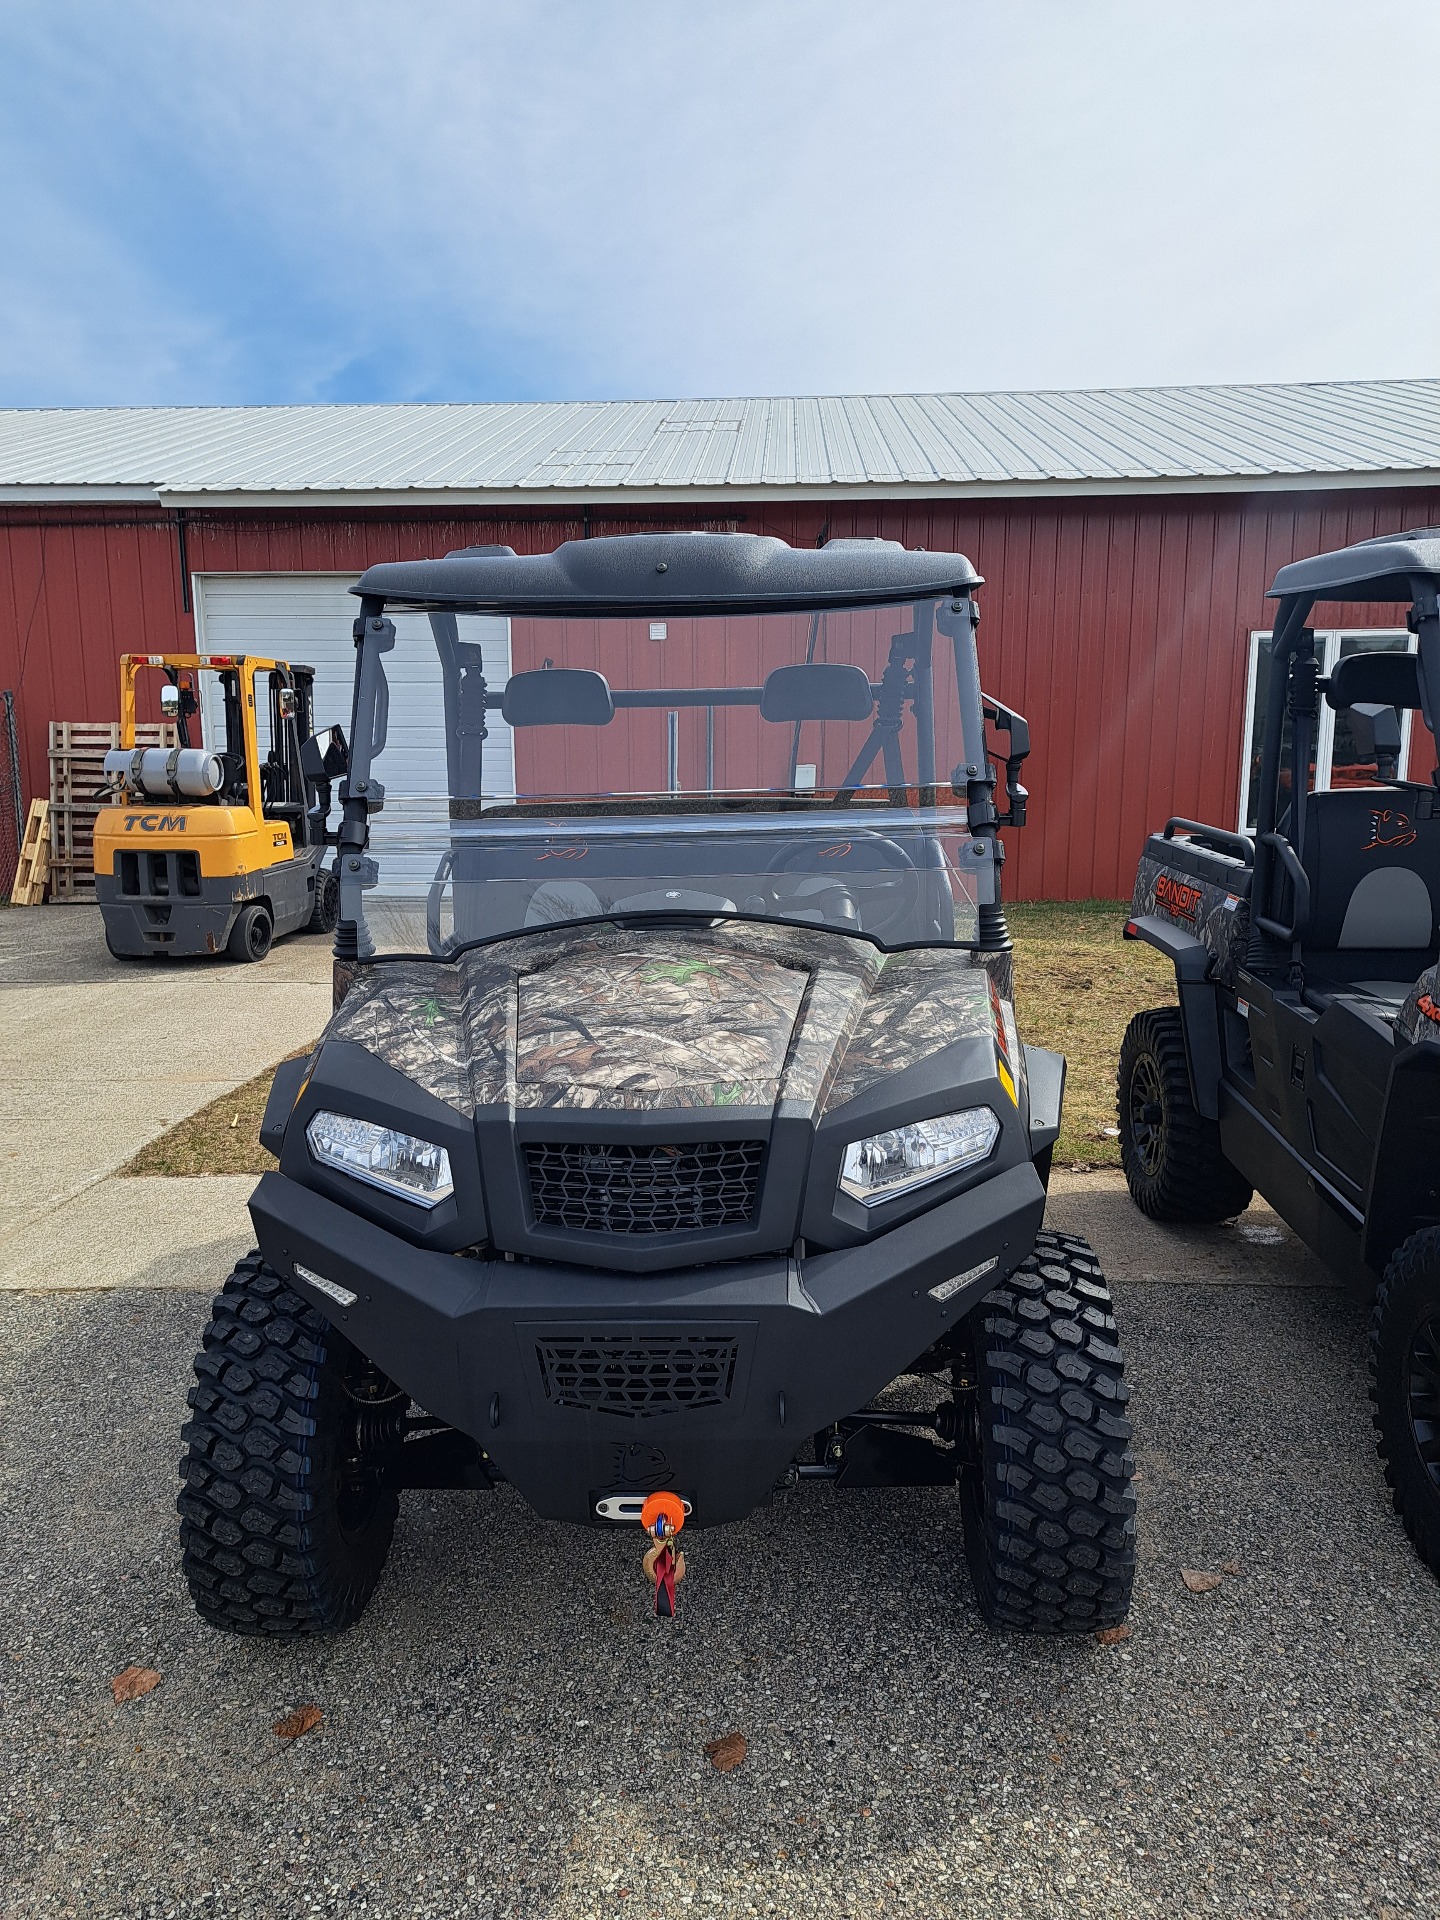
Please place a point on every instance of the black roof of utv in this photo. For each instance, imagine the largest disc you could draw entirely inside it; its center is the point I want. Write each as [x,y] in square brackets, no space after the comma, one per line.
[669,572]
[1380,569]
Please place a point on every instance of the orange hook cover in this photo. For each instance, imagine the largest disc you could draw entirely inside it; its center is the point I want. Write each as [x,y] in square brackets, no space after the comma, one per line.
[668,1506]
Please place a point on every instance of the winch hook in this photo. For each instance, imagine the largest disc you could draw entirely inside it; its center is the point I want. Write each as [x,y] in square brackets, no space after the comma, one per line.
[662,1517]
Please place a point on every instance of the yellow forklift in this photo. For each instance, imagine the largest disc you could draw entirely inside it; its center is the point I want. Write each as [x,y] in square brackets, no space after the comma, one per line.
[216,849]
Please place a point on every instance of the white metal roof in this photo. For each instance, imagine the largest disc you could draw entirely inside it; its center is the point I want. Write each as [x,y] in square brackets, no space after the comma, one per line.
[1370,432]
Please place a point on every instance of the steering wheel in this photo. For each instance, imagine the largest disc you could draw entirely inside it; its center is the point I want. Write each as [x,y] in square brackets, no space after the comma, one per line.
[876,877]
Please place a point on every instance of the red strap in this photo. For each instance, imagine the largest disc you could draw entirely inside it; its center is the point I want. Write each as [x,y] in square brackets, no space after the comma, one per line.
[665,1577]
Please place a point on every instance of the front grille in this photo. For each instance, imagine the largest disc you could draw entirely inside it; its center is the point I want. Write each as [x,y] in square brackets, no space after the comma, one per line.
[592,1188]
[656,1373]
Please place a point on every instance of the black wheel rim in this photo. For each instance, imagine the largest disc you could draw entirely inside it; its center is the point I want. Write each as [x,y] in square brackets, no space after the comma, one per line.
[1422,1393]
[1147,1114]
[259,936]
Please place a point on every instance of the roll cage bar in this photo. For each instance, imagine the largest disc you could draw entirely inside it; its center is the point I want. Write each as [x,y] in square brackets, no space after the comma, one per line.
[1358,573]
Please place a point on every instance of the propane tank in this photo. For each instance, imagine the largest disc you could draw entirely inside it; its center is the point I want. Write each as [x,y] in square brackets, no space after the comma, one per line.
[193,772]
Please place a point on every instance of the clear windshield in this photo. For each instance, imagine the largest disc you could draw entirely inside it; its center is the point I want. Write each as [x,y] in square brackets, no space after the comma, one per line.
[793,767]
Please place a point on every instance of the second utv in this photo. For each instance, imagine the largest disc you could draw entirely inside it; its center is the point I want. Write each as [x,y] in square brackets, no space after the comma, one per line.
[1303,1059]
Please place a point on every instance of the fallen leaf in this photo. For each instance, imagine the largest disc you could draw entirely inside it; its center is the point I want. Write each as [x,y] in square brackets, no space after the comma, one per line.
[726,1753]
[1112,1636]
[133,1684]
[302,1720]
[1199,1582]
[1230,1566]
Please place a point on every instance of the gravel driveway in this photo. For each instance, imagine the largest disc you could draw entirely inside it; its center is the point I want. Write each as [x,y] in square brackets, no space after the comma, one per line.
[508,1733]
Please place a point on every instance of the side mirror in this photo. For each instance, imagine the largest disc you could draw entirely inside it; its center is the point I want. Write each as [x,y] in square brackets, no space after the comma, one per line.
[325,756]
[170,701]
[289,703]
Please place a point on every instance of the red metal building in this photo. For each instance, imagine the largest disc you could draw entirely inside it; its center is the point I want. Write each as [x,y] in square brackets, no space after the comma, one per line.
[1118,613]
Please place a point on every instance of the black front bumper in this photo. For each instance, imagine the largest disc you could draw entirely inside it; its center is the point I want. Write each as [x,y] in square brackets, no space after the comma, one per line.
[746,1359]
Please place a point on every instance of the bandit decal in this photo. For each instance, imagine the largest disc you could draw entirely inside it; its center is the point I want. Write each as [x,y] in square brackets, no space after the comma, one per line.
[1178,898]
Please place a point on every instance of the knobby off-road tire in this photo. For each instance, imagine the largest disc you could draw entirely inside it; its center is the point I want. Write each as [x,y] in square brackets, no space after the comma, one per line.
[252,933]
[1049,1514]
[1405,1389]
[287,1505]
[325,912]
[1171,1153]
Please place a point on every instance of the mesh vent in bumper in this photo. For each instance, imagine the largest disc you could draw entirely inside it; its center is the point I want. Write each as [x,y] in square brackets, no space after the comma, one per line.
[657,1373]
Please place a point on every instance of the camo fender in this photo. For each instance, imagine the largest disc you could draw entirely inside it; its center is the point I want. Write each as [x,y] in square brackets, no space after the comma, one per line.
[1218,917]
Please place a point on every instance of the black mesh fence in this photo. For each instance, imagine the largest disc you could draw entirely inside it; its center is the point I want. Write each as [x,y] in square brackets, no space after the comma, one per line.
[12,815]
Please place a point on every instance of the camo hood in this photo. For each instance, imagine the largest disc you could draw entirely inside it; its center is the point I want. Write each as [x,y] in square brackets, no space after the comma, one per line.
[740,1015]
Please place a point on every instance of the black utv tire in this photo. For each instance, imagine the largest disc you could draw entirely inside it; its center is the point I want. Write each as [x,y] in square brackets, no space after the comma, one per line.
[325,911]
[288,1504]
[251,934]
[1049,1512]
[1405,1375]
[1171,1153]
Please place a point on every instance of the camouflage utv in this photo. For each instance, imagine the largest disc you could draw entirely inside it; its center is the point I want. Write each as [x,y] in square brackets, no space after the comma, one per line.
[672,1139]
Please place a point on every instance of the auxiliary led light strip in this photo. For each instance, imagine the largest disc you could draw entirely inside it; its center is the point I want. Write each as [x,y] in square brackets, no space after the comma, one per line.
[342,1296]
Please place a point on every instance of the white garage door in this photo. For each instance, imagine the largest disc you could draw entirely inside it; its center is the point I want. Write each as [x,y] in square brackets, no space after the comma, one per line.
[306,618]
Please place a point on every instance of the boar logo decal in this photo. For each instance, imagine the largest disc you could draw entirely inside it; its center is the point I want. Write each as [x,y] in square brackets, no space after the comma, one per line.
[1389,828]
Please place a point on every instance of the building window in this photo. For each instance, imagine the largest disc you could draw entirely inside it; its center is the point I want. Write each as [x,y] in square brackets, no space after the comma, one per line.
[1335,762]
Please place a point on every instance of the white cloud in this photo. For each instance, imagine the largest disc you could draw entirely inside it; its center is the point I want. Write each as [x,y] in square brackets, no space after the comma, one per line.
[559,197]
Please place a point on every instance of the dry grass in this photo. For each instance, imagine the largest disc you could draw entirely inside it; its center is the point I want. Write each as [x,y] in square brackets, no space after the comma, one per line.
[221,1138]
[1077,984]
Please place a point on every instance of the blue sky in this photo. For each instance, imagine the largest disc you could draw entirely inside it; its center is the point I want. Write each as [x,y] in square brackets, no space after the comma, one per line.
[568,199]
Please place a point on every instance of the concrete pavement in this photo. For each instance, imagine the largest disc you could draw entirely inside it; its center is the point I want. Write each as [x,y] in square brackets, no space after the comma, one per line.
[1257,1250]
[133,1233]
[97,1057]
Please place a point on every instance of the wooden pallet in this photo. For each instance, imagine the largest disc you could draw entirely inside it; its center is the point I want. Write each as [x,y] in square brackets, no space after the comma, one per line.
[77,775]
[34,867]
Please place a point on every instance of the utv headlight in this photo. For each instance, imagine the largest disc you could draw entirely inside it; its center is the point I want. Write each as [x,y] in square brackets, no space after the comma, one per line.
[395,1162]
[890,1163]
